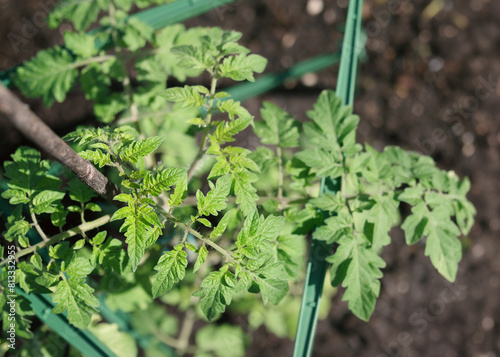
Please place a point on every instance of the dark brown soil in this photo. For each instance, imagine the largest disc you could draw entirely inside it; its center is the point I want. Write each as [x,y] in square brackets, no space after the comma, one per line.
[429,84]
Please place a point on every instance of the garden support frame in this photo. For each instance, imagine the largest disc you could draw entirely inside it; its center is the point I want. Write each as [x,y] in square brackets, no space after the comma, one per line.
[319,250]
[159,17]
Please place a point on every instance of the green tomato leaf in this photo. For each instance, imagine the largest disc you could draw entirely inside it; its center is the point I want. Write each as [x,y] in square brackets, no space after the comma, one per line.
[242,67]
[75,296]
[273,290]
[278,127]
[50,75]
[200,260]
[216,292]
[215,200]
[138,149]
[80,44]
[171,269]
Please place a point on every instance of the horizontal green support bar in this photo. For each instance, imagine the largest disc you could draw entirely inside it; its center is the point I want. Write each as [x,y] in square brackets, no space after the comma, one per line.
[82,340]
[270,81]
[122,320]
[177,11]
[157,17]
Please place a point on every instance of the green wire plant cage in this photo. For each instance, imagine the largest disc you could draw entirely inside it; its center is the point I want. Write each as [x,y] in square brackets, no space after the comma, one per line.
[158,17]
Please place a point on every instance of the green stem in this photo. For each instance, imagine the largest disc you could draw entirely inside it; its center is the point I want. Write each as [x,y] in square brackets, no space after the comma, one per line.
[284,201]
[280,168]
[37,226]
[194,165]
[87,61]
[61,236]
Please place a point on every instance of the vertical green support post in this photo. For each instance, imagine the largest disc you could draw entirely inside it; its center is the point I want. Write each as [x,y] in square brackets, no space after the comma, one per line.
[319,250]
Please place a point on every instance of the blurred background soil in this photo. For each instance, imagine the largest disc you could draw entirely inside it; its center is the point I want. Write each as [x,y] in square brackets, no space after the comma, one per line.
[429,83]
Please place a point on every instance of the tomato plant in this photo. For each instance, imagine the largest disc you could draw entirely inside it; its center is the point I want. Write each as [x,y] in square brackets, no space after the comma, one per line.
[201,222]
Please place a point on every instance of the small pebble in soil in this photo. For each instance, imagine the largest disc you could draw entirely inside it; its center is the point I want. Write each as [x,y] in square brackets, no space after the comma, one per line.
[478,251]
[468,138]
[468,150]
[403,287]
[436,64]
[288,40]
[314,7]
[309,79]
[487,323]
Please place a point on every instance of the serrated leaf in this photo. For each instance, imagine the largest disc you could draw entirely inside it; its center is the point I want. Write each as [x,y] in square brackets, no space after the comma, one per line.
[80,267]
[15,197]
[171,269]
[177,197]
[326,163]
[46,201]
[232,108]
[362,277]
[17,229]
[156,182]
[242,67]
[258,233]
[188,97]
[95,82]
[383,215]
[141,227]
[221,227]
[79,244]
[75,296]
[216,292]
[36,260]
[97,157]
[50,75]
[273,290]
[278,127]
[245,192]
[138,149]
[329,202]
[28,173]
[443,247]
[80,44]
[215,200]
[137,34]
[226,130]
[80,13]
[415,224]
[200,260]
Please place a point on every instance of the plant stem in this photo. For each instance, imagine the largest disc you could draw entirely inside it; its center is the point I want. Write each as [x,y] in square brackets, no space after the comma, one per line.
[92,60]
[203,149]
[187,328]
[37,226]
[61,236]
[284,201]
[280,168]
[37,131]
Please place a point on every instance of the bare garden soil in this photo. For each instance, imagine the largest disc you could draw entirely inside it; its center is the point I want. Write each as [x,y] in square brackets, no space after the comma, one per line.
[429,83]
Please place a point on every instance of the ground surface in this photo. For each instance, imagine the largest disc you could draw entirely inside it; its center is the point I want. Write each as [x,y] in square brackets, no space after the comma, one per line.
[429,84]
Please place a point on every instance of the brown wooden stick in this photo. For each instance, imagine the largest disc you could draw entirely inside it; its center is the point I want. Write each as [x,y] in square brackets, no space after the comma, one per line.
[19,114]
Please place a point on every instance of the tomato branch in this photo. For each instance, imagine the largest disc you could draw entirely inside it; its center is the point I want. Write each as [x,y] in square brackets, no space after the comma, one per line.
[39,133]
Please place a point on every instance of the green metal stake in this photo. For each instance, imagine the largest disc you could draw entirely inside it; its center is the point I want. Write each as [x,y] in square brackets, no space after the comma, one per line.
[319,250]
[83,340]
[270,81]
